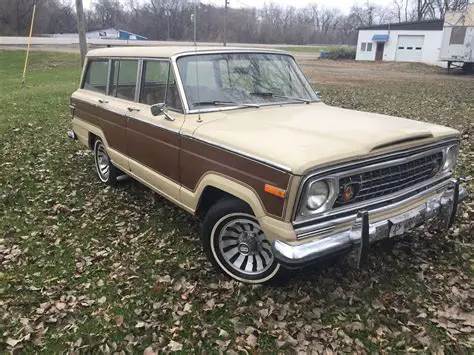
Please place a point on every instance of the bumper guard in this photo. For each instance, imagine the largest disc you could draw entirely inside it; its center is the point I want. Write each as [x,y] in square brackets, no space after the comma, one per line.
[441,210]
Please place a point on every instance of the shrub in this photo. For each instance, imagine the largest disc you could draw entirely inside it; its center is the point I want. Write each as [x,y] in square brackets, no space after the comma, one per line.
[340,52]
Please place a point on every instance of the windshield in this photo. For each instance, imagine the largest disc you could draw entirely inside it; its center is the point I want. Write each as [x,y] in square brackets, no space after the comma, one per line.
[242,79]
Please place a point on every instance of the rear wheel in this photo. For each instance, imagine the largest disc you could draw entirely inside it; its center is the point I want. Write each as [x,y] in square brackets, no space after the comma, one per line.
[106,170]
[235,244]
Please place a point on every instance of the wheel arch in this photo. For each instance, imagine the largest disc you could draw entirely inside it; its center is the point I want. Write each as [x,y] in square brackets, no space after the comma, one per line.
[88,133]
[214,186]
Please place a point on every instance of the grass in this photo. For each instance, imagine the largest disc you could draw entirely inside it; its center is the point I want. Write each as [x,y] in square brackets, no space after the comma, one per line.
[305,49]
[87,268]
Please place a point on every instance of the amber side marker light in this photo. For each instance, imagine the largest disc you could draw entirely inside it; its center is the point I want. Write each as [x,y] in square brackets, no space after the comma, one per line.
[275,191]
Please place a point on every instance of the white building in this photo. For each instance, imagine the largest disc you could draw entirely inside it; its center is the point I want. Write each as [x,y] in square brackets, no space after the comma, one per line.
[458,38]
[402,42]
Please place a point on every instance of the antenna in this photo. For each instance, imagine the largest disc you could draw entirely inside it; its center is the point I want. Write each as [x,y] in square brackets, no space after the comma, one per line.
[196,61]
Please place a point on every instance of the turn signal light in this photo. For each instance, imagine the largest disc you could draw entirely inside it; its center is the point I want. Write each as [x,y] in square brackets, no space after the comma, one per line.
[275,191]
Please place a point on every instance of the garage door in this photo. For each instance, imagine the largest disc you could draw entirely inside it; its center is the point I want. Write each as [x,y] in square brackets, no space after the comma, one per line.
[409,48]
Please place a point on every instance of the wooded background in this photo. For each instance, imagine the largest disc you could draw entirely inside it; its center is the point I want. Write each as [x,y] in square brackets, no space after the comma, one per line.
[171,19]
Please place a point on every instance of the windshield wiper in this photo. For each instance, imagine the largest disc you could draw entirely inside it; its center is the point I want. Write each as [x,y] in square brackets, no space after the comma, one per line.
[224,103]
[276,96]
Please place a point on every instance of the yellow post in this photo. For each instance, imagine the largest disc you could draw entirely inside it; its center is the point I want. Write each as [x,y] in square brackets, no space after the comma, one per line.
[29,43]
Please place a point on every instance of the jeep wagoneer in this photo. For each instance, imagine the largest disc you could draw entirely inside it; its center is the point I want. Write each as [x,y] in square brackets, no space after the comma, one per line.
[238,137]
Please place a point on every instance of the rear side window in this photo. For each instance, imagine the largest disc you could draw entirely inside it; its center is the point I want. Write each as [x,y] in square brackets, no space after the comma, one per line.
[96,76]
[123,81]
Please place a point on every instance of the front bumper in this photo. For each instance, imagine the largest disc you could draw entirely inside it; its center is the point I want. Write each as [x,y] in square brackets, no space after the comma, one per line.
[440,209]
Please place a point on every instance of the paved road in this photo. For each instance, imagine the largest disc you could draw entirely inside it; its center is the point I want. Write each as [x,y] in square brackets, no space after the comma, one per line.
[71,45]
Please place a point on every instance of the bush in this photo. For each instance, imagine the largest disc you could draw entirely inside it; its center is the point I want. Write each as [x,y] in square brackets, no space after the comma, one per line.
[341,52]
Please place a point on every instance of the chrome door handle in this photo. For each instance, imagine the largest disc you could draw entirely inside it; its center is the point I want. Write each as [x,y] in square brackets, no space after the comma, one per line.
[130,109]
[103,101]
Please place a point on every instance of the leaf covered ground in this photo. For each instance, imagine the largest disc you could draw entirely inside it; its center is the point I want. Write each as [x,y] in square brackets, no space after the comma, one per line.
[87,268]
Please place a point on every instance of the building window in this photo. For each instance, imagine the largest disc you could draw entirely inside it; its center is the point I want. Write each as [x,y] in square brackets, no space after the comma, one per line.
[362,46]
[369,47]
[458,33]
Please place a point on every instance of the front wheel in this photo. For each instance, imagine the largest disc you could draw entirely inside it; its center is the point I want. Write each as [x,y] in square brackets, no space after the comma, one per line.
[235,244]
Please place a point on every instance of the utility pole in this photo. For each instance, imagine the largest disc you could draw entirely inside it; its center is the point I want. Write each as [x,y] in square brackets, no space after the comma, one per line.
[225,21]
[81,29]
[167,14]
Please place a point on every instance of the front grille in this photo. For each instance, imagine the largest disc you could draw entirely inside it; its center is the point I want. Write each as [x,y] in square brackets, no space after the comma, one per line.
[385,181]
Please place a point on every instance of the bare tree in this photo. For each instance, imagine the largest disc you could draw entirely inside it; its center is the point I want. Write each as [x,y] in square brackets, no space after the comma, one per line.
[272,23]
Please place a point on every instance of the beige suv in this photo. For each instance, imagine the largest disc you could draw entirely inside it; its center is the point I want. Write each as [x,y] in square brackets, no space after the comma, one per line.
[239,138]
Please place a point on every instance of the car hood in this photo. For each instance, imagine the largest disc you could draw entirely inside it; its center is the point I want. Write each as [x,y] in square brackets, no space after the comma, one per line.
[301,137]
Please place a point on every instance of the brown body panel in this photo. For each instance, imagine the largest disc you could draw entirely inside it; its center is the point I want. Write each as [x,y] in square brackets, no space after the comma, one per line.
[199,158]
[183,159]
[112,124]
[155,147]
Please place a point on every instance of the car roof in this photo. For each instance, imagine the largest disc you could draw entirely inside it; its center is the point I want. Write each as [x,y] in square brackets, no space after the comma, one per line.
[170,51]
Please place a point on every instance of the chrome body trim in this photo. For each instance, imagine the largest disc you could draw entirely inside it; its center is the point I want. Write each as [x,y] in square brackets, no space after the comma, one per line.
[179,83]
[139,80]
[333,171]
[109,77]
[388,163]
[440,208]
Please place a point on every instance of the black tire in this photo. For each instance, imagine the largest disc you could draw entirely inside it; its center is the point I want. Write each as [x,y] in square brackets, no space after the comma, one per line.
[246,240]
[106,170]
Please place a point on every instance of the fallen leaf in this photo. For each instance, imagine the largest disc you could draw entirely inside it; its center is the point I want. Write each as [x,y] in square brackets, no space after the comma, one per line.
[175,346]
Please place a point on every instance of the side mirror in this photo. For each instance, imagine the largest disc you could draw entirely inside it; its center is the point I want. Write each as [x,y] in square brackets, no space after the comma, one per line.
[158,109]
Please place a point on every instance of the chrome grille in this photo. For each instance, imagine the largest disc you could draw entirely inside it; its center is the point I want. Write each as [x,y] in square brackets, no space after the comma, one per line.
[385,181]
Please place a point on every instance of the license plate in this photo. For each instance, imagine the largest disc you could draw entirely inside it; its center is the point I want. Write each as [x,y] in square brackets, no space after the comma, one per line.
[404,223]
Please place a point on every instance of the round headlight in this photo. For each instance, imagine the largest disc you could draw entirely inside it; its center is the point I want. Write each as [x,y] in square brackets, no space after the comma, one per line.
[450,157]
[318,194]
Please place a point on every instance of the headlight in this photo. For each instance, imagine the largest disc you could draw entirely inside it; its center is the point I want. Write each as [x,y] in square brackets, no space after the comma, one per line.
[450,157]
[318,193]
[318,196]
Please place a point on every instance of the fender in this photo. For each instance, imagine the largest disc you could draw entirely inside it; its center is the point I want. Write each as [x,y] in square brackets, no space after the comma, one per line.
[83,129]
[226,184]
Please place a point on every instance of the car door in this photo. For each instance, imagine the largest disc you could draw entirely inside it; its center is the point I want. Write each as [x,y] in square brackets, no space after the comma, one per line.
[91,104]
[121,92]
[153,142]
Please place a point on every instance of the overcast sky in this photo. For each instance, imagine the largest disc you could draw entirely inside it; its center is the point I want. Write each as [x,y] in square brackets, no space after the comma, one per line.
[343,5]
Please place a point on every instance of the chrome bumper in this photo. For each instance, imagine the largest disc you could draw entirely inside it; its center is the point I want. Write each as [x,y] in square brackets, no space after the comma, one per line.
[441,209]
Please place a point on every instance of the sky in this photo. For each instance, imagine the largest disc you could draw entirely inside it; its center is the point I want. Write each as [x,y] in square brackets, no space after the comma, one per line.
[343,5]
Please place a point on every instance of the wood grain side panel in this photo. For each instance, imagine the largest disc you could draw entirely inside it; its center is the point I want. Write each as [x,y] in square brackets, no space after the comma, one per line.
[155,147]
[199,158]
[112,124]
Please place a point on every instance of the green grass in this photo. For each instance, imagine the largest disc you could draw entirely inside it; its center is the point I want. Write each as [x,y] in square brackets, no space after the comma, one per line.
[77,257]
[304,49]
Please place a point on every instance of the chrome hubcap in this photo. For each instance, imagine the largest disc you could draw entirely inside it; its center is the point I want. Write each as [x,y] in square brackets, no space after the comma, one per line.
[103,163]
[244,247]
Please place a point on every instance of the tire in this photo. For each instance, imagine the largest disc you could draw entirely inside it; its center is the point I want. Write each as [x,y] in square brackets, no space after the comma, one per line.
[234,243]
[106,171]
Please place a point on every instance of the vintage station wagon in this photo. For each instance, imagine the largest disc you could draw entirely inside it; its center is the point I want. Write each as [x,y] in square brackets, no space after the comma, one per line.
[238,137]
